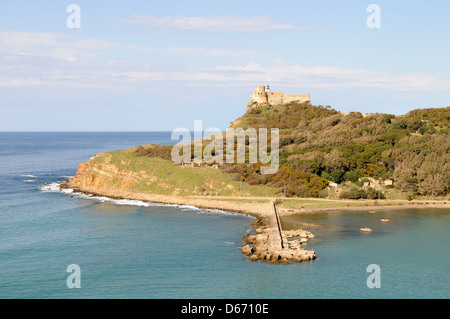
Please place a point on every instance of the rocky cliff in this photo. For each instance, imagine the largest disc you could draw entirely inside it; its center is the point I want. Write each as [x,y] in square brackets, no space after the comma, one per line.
[122,175]
[99,174]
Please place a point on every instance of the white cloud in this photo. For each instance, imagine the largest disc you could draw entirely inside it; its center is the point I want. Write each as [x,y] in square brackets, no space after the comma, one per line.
[215,52]
[331,77]
[52,60]
[217,24]
[35,71]
[20,39]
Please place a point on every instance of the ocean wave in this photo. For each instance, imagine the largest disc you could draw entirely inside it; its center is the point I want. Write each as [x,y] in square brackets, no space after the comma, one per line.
[56,188]
[130,202]
[104,199]
[29,180]
[33,176]
[50,187]
[187,207]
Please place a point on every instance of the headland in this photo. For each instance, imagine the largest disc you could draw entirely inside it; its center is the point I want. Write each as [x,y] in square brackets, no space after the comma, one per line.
[328,160]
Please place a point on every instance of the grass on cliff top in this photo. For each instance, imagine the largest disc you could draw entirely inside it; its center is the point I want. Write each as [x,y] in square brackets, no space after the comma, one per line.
[162,177]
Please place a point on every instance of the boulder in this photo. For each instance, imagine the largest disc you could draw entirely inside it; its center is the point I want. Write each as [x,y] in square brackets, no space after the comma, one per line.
[250,239]
[261,248]
[246,250]
[305,257]
[260,239]
[268,256]
[275,257]
[285,254]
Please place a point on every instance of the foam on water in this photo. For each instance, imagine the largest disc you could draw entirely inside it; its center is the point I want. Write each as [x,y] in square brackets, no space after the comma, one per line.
[56,188]
[66,190]
[122,201]
[187,207]
[50,187]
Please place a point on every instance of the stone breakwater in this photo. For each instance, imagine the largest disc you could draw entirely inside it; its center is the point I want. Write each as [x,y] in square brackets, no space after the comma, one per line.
[265,244]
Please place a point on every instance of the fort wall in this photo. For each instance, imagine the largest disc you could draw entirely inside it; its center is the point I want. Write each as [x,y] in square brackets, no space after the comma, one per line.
[275,98]
[296,98]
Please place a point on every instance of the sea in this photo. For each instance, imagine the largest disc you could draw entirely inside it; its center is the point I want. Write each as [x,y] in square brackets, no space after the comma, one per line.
[64,245]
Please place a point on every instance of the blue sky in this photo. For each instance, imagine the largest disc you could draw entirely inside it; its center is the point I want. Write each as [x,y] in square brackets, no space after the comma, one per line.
[159,65]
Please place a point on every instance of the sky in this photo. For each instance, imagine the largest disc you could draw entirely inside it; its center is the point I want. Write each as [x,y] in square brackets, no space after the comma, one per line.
[159,65]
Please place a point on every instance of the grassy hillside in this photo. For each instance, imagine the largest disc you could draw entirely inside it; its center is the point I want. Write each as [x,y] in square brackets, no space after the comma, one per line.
[160,176]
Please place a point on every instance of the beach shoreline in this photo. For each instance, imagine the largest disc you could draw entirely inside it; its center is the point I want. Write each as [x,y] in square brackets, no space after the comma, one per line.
[249,205]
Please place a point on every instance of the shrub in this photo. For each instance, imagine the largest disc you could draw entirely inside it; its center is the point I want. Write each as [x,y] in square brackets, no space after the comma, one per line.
[353,194]
[352,176]
[372,193]
[323,193]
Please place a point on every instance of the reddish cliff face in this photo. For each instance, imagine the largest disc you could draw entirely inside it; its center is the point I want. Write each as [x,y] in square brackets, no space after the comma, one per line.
[98,174]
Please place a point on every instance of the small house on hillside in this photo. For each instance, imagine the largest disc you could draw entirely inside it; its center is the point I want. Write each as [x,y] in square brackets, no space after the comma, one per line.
[332,184]
[388,182]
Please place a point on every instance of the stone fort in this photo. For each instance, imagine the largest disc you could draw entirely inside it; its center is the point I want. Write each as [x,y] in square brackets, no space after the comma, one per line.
[261,96]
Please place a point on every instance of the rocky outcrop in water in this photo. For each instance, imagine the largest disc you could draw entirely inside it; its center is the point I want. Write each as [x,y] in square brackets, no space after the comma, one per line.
[265,244]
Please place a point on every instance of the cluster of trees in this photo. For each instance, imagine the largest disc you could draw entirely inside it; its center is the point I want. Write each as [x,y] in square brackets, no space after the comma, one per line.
[319,144]
[290,181]
[423,165]
[360,193]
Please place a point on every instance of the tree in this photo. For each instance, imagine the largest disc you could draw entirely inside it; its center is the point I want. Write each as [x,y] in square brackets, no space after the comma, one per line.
[335,160]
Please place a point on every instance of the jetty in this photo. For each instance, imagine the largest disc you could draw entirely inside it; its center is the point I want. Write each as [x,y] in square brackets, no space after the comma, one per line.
[270,243]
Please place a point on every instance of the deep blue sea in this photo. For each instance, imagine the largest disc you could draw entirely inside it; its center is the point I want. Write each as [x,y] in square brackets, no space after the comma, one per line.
[135,250]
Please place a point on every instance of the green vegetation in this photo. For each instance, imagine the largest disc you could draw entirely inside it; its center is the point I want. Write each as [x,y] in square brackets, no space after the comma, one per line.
[319,144]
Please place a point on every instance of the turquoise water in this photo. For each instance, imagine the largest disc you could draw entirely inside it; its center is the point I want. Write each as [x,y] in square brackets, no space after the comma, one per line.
[132,250]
